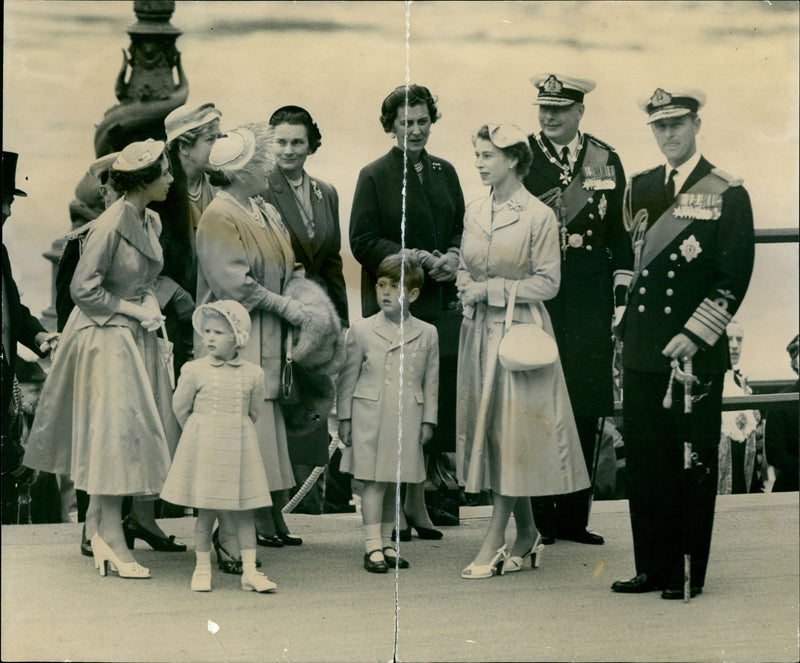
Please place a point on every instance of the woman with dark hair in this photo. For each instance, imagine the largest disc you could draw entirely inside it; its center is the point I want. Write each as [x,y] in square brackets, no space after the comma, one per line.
[516,433]
[410,199]
[109,391]
[309,208]
[191,133]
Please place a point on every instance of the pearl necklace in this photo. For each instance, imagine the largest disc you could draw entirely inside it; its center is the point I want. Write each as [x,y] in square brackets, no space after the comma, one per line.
[194,196]
[253,213]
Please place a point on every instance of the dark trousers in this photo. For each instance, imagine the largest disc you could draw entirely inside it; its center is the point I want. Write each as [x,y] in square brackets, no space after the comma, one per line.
[564,514]
[671,510]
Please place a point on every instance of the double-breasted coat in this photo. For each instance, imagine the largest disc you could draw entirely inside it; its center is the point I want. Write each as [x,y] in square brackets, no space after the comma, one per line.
[245,257]
[692,273]
[371,393]
[596,264]
[516,434]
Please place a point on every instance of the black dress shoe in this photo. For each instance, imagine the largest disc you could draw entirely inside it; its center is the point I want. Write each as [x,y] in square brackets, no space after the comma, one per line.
[405,534]
[273,541]
[133,530]
[547,539]
[375,567]
[644,582]
[289,540]
[394,561]
[583,536]
[676,594]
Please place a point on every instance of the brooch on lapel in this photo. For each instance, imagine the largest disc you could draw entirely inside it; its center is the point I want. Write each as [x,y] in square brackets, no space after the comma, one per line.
[436,165]
[705,206]
[316,188]
[599,178]
[690,248]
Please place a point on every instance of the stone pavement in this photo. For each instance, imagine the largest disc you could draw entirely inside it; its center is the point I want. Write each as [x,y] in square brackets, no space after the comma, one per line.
[327,608]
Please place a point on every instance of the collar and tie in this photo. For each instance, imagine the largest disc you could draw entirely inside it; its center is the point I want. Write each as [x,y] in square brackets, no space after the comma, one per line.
[565,156]
[670,186]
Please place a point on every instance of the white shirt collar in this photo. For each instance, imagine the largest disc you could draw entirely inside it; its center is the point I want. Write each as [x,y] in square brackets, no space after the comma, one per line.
[572,146]
[684,170]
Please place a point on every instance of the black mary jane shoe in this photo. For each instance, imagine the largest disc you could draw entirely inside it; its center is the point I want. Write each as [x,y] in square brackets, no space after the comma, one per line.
[134,530]
[289,540]
[273,541]
[375,567]
[425,532]
[86,544]
[644,582]
[394,561]
[677,594]
[225,561]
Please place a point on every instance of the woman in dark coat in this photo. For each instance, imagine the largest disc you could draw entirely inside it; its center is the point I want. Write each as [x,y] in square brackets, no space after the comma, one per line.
[309,208]
[427,190]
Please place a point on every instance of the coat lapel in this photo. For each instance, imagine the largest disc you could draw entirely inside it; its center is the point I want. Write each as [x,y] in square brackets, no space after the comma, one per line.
[390,331]
[287,206]
[131,228]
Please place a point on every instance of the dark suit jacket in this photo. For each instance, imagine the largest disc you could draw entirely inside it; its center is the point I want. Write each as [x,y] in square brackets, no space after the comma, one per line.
[434,220]
[697,296]
[321,256]
[583,309]
[22,328]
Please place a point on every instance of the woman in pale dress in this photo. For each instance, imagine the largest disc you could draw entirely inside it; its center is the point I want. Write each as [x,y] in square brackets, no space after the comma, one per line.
[105,412]
[245,254]
[516,434]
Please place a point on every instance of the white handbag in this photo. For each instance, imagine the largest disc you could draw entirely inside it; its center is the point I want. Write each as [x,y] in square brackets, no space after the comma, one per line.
[525,346]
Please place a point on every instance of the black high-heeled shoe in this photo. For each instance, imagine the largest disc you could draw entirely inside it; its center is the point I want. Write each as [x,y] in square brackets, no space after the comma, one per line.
[405,534]
[134,530]
[86,545]
[226,562]
[424,532]
[289,540]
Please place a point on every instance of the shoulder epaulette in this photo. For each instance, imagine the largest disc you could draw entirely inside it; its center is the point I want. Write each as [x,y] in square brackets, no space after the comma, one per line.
[730,179]
[601,143]
[646,170]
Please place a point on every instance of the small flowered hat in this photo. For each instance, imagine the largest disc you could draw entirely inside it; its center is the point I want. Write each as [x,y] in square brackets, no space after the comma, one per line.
[236,315]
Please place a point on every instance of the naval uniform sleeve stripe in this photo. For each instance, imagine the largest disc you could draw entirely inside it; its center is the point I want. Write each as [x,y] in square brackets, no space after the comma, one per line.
[496,292]
[708,322]
[623,277]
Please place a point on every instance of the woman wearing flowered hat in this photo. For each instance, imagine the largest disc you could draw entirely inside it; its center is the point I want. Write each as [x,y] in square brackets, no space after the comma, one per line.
[105,414]
[411,199]
[245,254]
[516,435]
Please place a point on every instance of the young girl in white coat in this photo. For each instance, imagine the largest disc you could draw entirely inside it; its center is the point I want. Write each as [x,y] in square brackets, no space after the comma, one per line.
[388,390]
[218,466]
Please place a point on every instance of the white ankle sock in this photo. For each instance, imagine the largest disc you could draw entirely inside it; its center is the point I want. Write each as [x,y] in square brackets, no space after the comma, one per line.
[248,562]
[203,559]
[372,538]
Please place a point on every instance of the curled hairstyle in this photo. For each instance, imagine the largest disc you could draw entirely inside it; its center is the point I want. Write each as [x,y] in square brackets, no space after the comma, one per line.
[123,181]
[520,151]
[402,265]
[298,115]
[417,94]
[262,160]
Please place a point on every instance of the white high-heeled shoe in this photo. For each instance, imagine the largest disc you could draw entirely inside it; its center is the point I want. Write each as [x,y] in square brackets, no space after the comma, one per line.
[496,566]
[105,557]
[257,582]
[515,562]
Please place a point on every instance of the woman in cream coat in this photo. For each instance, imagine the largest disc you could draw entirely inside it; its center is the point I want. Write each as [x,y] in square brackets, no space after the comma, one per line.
[516,434]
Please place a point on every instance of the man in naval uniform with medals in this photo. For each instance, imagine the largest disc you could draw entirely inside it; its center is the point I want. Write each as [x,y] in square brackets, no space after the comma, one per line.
[582,179]
[693,235]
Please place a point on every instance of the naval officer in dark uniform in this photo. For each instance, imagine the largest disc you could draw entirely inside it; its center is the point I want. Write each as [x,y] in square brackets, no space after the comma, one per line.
[582,179]
[693,232]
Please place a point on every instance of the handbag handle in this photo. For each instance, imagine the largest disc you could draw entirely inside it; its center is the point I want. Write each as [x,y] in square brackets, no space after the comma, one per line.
[512,300]
[163,330]
[287,374]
